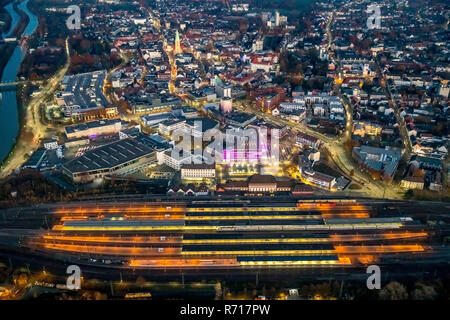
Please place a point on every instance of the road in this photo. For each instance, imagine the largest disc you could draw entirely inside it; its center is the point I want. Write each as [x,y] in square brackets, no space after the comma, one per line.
[125,59]
[32,121]
[400,120]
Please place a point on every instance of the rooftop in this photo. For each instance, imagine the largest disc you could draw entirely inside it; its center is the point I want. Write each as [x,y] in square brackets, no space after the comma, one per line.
[379,159]
[109,156]
[89,125]
[199,166]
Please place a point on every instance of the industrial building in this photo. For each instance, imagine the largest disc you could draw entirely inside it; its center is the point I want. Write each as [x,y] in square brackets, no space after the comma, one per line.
[117,158]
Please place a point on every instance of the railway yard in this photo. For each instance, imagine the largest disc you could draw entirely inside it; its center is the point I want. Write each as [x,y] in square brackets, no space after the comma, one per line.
[234,237]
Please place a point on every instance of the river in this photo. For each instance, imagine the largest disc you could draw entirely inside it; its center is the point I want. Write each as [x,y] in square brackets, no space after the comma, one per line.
[9,114]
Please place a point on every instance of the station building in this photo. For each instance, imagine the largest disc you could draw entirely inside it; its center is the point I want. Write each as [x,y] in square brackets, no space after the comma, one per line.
[198,171]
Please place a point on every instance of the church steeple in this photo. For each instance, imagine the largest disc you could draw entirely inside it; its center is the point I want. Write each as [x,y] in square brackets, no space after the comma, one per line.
[177,43]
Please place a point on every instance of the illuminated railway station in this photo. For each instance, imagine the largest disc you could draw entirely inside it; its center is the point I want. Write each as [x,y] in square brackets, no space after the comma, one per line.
[231,235]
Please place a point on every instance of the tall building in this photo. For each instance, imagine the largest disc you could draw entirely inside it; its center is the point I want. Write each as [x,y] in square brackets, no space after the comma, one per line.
[226,105]
[223,90]
[177,43]
[277,18]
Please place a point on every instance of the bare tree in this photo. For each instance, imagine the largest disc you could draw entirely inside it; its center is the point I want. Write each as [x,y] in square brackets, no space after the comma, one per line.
[394,291]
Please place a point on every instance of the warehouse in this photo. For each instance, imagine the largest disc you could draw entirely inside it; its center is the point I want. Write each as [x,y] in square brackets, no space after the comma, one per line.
[117,158]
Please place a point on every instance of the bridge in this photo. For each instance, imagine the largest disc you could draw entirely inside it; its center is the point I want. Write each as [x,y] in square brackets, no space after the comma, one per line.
[11,85]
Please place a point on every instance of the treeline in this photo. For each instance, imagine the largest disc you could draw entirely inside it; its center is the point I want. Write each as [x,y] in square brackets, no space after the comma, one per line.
[31,187]
[6,49]
[48,42]
[340,290]
[90,55]
[43,62]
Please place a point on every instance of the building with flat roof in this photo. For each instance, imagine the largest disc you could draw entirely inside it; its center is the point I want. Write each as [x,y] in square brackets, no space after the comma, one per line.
[153,120]
[196,127]
[314,172]
[223,89]
[94,128]
[153,141]
[120,157]
[157,104]
[51,144]
[318,179]
[186,112]
[36,159]
[174,158]
[167,127]
[82,96]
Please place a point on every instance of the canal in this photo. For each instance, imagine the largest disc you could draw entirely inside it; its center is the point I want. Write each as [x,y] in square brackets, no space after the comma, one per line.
[9,114]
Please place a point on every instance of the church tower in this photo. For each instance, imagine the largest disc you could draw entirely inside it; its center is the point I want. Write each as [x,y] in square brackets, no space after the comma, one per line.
[177,43]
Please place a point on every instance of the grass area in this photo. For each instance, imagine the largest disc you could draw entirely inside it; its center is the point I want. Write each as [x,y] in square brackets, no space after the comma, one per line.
[355,186]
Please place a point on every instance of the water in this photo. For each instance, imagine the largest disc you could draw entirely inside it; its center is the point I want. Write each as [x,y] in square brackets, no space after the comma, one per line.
[9,115]
[33,23]
[14,18]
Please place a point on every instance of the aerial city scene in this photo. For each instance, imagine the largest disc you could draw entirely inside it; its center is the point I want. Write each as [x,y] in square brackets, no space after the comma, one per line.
[224,150]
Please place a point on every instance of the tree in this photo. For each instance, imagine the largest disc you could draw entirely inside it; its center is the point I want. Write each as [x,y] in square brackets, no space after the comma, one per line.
[423,292]
[409,194]
[85,45]
[418,173]
[140,281]
[393,291]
